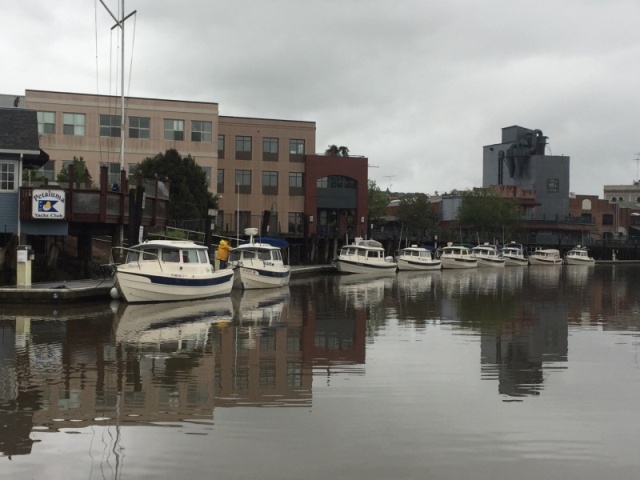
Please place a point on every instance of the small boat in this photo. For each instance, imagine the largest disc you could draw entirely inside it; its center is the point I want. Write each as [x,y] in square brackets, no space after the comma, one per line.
[258,264]
[458,256]
[364,256]
[578,256]
[488,256]
[417,258]
[513,254]
[545,256]
[170,270]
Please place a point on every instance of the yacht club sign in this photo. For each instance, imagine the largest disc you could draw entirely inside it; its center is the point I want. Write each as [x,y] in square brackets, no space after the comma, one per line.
[48,204]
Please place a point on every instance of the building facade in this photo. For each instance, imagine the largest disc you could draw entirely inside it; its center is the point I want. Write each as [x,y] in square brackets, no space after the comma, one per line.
[520,160]
[264,171]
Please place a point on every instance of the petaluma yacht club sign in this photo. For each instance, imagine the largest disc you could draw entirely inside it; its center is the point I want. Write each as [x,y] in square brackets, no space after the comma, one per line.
[48,204]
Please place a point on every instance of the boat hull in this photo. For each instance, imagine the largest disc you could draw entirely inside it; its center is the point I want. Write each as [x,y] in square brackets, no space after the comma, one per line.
[349,266]
[491,262]
[138,287]
[515,261]
[252,278]
[456,263]
[413,265]
[544,261]
[579,261]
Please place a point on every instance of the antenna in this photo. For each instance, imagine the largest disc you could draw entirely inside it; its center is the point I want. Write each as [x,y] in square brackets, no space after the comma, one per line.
[637,163]
[389,177]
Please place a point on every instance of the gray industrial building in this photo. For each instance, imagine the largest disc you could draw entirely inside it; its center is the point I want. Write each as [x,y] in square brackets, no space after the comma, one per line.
[520,160]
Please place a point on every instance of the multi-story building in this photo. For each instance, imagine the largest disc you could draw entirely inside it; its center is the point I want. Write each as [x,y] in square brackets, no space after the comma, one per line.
[520,160]
[264,171]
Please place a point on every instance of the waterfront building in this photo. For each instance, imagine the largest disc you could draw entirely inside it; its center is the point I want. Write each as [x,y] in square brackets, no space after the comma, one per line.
[265,171]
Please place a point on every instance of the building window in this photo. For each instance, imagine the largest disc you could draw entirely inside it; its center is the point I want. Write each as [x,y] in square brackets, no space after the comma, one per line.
[614,199]
[48,170]
[109,125]
[114,173]
[132,173]
[207,175]
[220,180]
[200,131]
[296,150]
[7,177]
[607,219]
[243,181]
[270,149]
[243,148]
[296,222]
[173,129]
[269,183]
[336,181]
[46,122]
[586,204]
[220,146]
[73,123]
[139,127]
[296,183]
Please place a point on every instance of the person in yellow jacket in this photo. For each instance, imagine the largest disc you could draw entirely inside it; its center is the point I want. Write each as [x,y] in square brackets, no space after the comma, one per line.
[223,253]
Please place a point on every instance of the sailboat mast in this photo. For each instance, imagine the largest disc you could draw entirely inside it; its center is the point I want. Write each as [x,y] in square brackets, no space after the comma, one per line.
[120,23]
[122,88]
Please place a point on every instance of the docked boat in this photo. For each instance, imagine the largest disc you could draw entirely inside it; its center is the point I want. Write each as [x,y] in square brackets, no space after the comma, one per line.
[364,256]
[545,256]
[578,256]
[170,270]
[458,256]
[488,256]
[258,264]
[513,254]
[416,258]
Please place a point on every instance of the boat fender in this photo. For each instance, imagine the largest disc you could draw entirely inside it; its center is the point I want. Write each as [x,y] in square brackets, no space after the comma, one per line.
[115,295]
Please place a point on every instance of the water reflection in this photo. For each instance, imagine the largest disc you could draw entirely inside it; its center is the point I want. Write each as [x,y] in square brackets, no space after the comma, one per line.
[118,364]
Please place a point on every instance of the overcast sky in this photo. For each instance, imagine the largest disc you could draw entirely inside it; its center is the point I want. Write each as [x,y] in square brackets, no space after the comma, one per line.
[417,86]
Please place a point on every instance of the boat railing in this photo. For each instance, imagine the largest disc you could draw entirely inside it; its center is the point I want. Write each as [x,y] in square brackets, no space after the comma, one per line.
[140,253]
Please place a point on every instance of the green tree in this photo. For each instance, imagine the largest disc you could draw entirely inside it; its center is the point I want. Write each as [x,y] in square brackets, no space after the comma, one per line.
[488,214]
[189,194]
[417,215]
[335,151]
[377,202]
[80,173]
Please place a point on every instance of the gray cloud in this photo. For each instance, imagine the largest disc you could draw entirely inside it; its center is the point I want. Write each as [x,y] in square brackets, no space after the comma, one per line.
[418,87]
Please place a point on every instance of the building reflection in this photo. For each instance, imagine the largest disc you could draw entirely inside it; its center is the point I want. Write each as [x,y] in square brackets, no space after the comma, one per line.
[166,363]
[119,364]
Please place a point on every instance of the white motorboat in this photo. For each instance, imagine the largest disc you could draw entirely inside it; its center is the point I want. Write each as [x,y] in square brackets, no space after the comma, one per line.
[258,264]
[170,270]
[488,256]
[364,256]
[578,256]
[545,256]
[458,256]
[417,258]
[513,254]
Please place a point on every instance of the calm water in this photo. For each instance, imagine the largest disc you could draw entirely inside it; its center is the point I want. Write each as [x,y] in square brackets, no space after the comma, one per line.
[528,373]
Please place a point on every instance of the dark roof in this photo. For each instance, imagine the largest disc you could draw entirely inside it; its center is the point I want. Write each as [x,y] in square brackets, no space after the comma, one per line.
[19,134]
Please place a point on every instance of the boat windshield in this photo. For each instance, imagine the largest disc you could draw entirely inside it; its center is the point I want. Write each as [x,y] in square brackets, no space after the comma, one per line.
[170,255]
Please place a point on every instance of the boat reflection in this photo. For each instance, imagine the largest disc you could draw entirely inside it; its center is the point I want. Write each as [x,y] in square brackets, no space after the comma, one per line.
[546,276]
[578,275]
[362,289]
[260,307]
[159,323]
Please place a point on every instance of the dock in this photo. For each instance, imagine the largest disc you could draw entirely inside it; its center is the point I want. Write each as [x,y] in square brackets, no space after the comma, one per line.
[58,292]
[98,289]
